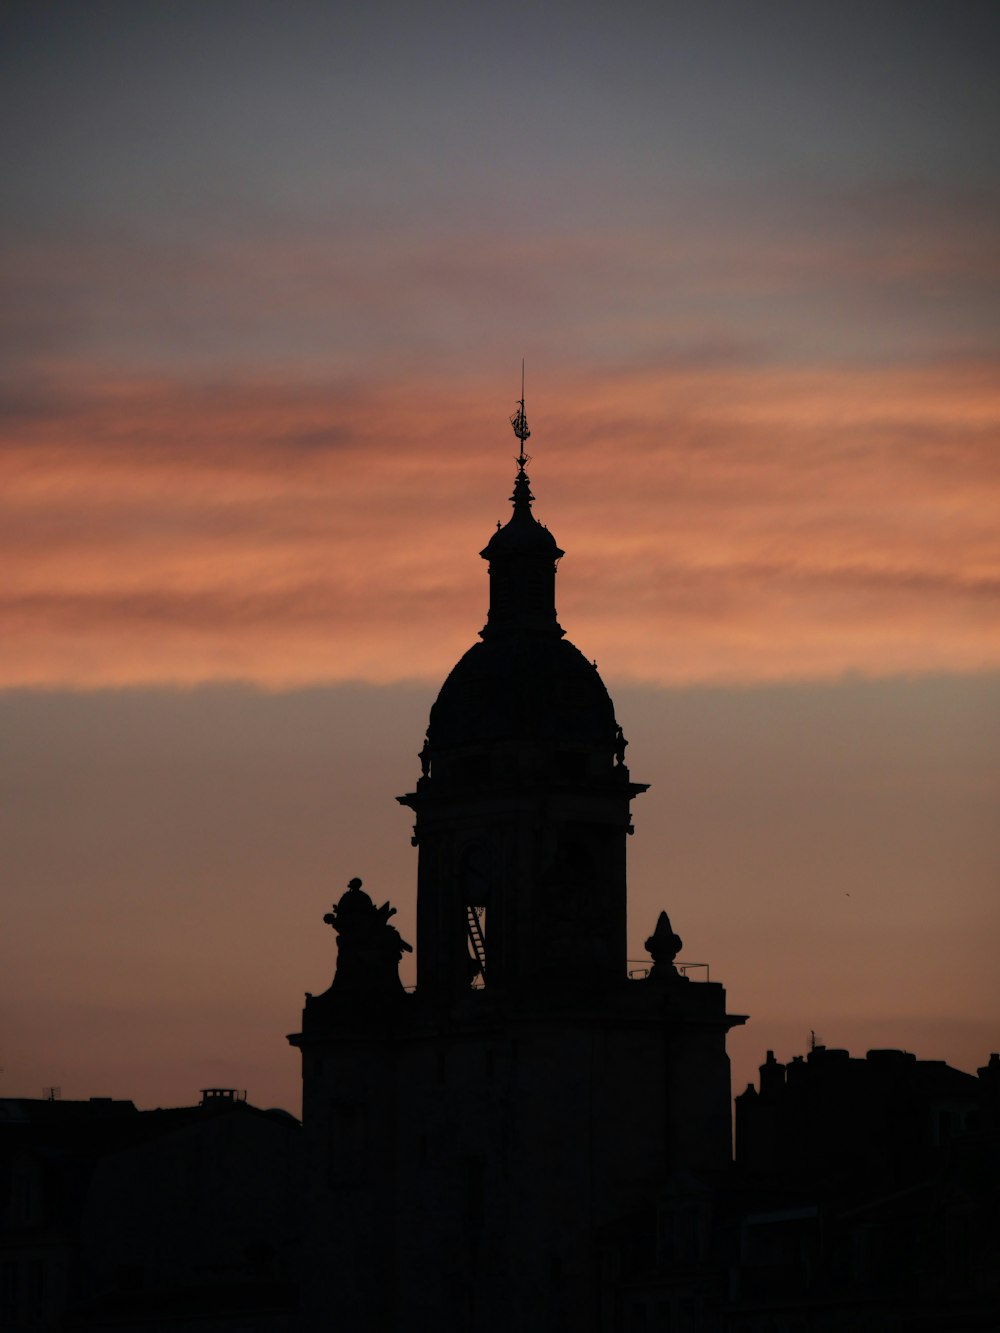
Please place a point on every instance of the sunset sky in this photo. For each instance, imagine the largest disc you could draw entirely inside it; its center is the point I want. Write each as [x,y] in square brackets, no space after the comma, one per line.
[268,273]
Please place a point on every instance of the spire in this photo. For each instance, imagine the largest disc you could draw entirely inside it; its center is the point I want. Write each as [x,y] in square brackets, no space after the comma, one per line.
[522,534]
[522,497]
[522,554]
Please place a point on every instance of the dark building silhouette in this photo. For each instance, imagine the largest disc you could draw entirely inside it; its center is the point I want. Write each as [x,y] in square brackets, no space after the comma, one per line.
[116,1218]
[827,1116]
[866,1195]
[470,1145]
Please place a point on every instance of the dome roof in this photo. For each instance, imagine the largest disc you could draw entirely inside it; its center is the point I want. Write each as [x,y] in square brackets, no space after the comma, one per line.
[522,687]
[522,534]
[525,683]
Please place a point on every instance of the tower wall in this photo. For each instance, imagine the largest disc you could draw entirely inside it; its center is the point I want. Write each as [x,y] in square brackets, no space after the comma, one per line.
[469,1174]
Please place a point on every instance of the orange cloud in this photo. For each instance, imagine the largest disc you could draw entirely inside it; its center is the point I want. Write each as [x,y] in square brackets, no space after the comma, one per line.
[722,523]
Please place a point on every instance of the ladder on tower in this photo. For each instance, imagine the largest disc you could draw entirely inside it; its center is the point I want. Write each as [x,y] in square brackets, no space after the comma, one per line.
[477,940]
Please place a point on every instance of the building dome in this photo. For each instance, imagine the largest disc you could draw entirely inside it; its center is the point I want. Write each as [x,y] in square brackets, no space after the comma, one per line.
[525,684]
[522,687]
[524,706]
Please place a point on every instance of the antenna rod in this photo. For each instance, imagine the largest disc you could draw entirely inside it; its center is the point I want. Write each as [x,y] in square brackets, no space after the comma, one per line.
[524,420]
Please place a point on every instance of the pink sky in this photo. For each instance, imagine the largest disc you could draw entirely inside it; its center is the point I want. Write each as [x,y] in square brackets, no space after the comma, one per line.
[266,287]
[724,524]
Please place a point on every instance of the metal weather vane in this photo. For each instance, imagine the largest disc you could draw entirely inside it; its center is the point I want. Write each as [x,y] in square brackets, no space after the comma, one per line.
[520,423]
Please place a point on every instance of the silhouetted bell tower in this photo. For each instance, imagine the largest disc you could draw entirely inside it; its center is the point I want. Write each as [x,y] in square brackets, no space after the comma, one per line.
[472,1146]
[523,807]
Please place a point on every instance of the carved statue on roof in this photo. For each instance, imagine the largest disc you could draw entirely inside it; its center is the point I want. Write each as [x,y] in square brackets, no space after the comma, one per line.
[369,950]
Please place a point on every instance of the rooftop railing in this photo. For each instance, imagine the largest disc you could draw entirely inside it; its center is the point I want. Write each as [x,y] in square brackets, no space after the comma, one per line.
[700,970]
